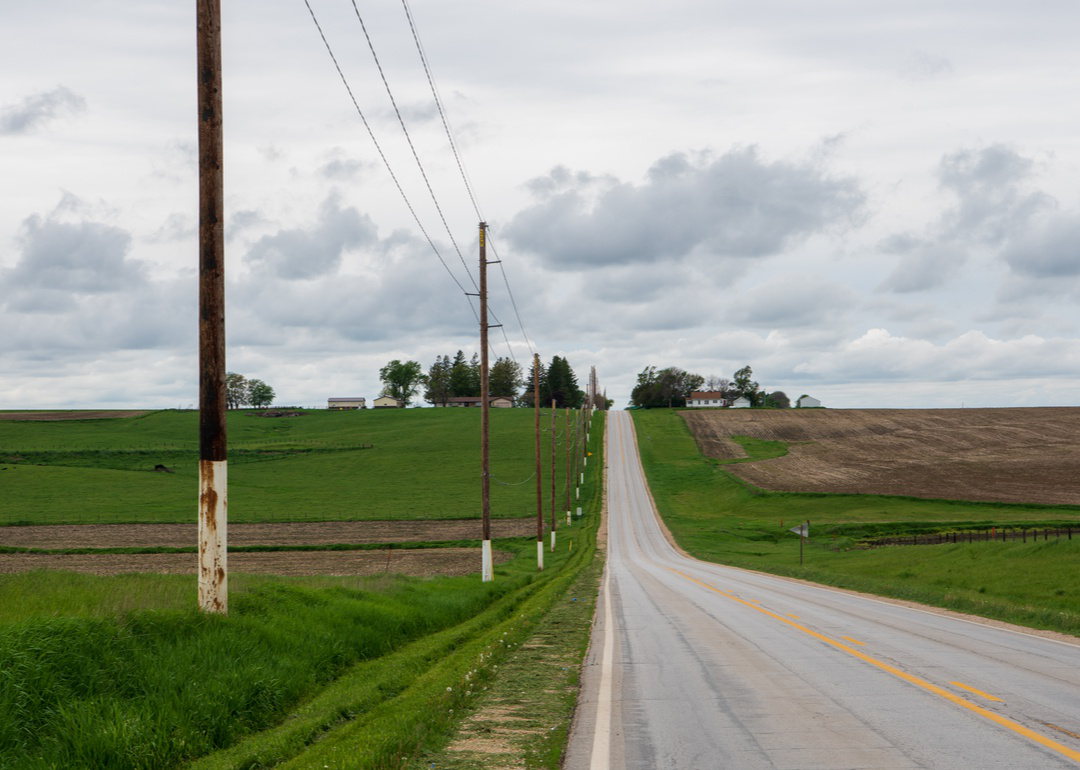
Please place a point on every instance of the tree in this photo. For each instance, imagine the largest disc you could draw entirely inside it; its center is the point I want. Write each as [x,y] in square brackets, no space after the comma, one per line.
[259,394]
[716,384]
[778,399]
[527,392]
[668,387]
[504,378]
[745,386]
[401,380]
[236,390]
[438,382]
[562,387]
[461,377]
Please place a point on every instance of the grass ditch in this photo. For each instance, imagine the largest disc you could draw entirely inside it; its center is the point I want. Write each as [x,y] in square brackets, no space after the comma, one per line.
[717,517]
[123,672]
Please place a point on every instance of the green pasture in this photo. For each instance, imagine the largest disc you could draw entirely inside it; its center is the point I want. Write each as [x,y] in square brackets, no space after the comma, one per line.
[718,517]
[124,672]
[359,465]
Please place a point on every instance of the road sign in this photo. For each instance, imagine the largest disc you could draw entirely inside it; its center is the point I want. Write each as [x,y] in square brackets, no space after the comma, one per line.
[803,529]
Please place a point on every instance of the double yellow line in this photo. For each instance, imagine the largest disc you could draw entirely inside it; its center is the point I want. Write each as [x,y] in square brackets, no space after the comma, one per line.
[1016,727]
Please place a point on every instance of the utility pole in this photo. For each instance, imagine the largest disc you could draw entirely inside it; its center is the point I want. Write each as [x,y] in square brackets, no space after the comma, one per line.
[566,444]
[553,475]
[213,569]
[539,482]
[487,572]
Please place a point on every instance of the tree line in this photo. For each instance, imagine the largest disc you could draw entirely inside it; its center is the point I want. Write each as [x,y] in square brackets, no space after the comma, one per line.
[457,376]
[241,392]
[672,386]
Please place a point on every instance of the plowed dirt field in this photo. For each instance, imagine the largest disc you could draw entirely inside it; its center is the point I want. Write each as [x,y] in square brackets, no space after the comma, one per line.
[439,561]
[1021,455]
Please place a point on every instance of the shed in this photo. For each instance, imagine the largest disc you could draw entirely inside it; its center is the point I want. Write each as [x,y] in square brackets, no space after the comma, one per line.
[807,402]
[386,402]
[338,404]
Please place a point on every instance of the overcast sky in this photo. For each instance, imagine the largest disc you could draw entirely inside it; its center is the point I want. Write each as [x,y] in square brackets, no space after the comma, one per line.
[873,203]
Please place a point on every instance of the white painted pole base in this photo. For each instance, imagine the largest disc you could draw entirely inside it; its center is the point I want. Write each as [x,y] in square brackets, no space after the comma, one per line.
[568,517]
[577,493]
[579,512]
[582,478]
[585,460]
[487,573]
[553,541]
[213,552]
[540,555]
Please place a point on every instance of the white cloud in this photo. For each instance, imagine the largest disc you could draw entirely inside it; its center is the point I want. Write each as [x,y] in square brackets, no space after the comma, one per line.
[38,110]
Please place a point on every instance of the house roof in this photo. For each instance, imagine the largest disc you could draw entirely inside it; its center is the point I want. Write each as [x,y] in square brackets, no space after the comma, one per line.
[706,394]
[354,398]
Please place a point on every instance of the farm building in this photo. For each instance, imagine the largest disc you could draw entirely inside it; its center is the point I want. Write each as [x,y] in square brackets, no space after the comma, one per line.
[386,402]
[699,399]
[742,402]
[496,402]
[338,404]
[807,402]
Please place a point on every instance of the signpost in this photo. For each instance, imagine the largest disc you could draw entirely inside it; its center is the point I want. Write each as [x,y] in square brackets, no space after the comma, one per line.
[803,531]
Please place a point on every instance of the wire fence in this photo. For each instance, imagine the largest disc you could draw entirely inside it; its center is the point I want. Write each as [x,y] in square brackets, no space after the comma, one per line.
[993,534]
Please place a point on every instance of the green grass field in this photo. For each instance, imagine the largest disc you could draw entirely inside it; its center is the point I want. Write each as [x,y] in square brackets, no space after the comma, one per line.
[323,466]
[717,517]
[123,672]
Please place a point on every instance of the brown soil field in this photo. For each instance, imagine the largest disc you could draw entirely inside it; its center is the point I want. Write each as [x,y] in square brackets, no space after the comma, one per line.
[298,533]
[1019,455]
[424,562]
[85,415]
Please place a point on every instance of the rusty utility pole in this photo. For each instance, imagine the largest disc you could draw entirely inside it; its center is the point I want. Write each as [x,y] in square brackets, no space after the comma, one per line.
[487,570]
[539,482]
[553,475]
[213,570]
[566,444]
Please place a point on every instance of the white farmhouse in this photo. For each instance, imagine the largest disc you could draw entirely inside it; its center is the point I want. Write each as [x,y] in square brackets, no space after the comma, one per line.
[703,399]
[807,402]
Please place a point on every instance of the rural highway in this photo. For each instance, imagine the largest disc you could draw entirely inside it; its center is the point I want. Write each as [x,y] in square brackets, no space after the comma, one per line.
[696,666]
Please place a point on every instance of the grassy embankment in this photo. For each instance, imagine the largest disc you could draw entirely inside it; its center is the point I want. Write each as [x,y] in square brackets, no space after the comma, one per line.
[370,668]
[717,517]
[361,465]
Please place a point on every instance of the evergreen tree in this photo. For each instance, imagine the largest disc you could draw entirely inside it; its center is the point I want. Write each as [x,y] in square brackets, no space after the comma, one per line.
[438,381]
[504,378]
[461,377]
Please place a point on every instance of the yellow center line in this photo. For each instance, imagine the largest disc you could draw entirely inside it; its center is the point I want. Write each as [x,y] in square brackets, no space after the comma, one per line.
[980,693]
[854,641]
[1016,727]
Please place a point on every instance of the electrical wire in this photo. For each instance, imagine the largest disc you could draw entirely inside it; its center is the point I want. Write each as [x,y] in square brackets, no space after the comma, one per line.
[442,113]
[408,138]
[382,155]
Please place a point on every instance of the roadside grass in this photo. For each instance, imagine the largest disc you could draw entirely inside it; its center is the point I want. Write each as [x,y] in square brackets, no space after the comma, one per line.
[321,466]
[411,703]
[124,672]
[152,687]
[718,517]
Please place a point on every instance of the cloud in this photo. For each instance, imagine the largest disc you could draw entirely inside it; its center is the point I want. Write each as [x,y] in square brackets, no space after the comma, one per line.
[924,264]
[921,65]
[791,301]
[736,206]
[59,259]
[878,355]
[298,254]
[1050,249]
[38,110]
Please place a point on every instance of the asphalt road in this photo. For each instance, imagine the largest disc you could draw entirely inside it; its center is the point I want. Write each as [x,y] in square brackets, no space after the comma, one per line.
[695,665]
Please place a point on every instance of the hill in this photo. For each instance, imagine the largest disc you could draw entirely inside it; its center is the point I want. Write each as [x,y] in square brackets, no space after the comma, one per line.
[1024,455]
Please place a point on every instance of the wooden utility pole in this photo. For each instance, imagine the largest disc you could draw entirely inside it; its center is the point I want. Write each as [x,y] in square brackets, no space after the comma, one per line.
[566,443]
[539,482]
[553,475]
[487,571]
[213,569]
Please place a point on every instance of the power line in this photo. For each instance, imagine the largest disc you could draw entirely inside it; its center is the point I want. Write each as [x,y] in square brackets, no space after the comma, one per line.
[442,113]
[510,292]
[382,155]
[408,138]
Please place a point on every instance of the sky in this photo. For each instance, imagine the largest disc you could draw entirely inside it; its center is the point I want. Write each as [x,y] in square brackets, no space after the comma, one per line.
[872,203]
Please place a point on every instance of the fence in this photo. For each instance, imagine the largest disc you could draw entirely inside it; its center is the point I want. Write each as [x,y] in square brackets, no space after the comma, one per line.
[1005,534]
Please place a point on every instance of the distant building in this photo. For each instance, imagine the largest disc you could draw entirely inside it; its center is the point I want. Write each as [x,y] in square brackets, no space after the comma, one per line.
[386,402]
[496,402]
[742,402]
[338,404]
[700,399]
[807,402]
